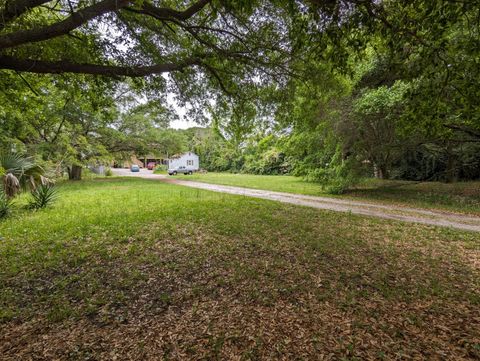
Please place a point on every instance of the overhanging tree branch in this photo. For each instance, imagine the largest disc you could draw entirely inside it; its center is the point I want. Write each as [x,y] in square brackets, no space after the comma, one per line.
[83,16]
[166,13]
[57,67]
[63,27]
[13,9]
[214,72]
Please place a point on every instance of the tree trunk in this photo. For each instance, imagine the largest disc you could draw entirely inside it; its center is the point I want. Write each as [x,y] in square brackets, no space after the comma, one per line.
[75,172]
[385,174]
[381,171]
[451,167]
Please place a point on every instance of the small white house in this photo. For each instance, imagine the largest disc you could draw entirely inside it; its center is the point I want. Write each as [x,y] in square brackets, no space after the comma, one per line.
[189,160]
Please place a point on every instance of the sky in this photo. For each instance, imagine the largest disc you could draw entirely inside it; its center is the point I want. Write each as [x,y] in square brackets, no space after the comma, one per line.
[182,124]
[183,121]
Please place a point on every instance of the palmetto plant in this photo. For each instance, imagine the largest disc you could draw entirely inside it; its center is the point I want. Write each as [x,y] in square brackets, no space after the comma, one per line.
[5,205]
[19,172]
[42,196]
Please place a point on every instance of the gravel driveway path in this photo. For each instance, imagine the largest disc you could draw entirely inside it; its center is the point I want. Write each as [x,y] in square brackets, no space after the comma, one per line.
[406,214]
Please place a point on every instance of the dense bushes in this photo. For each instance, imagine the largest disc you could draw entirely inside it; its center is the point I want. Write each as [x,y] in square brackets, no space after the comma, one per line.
[437,163]
[336,176]
[270,161]
[263,156]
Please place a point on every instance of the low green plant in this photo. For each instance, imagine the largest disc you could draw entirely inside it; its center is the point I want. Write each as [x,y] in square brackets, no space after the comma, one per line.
[108,172]
[160,169]
[336,176]
[5,205]
[43,196]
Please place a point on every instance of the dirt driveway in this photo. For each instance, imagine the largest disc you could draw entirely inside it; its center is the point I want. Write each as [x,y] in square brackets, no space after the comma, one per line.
[406,214]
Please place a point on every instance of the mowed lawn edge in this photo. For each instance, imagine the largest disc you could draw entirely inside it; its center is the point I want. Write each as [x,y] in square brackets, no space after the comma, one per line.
[158,269]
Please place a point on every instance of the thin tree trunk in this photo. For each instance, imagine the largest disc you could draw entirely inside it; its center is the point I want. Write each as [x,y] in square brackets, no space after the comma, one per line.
[451,171]
[451,167]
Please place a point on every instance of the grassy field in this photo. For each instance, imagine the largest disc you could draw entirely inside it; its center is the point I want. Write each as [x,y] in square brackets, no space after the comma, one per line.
[143,270]
[458,197]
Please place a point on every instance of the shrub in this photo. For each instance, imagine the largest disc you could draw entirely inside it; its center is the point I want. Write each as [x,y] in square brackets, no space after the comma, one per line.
[336,176]
[43,196]
[108,172]
[335,180]
[5,205]
[160,169]
[89,175]
[270,161]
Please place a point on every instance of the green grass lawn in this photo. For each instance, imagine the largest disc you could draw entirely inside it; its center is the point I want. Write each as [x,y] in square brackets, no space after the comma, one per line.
[289,184]
[138,269]
[458,197]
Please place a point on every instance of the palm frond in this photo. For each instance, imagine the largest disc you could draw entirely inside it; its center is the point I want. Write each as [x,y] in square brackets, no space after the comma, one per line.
[11,185]
[21,172]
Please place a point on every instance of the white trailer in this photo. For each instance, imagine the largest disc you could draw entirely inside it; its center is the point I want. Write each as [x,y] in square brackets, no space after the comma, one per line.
[184,163]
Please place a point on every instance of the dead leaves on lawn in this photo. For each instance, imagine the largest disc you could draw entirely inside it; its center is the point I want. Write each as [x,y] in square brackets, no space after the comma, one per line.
[196,294]
[231,330]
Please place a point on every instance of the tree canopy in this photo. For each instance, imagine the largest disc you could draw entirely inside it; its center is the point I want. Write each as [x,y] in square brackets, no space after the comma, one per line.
[317,87]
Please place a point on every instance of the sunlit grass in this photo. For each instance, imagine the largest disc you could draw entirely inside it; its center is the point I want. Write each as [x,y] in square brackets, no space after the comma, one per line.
[117,252]
[461,196]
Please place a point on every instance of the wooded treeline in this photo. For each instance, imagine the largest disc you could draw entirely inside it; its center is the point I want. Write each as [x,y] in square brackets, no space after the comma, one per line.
[328,90]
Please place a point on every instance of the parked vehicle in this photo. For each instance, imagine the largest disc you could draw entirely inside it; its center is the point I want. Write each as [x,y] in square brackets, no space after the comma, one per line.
[151,165]
[181,169]
[135,168]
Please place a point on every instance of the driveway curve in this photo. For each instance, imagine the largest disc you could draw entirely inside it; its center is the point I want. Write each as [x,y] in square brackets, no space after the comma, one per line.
[398,213]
